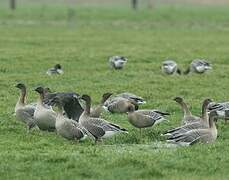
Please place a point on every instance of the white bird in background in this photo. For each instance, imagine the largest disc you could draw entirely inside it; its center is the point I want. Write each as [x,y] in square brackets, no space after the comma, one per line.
[56,70]
[170,67]
[198,66]
[221,108]
[117,62]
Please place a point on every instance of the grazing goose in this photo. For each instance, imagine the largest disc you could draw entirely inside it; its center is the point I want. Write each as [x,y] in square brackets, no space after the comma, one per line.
[170,67]
[188,117]
[97,128]
[96,111]
[117,62]
[55,70]
[45,118]
[72,107]
[198,66]
[145,118]
[23,112]
[119,105]
[203,123]
[203,135]
[222,113]
[66,127]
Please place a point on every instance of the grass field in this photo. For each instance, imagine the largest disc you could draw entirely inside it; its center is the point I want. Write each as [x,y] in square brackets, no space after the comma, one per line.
[34,38]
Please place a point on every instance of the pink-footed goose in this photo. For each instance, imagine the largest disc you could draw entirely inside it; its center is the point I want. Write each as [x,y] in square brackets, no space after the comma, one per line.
[203,123]
[67,128]
[202,135]
[96,111]
[45,117]
[188,116]
[24,112]
[145,118]
[97,128]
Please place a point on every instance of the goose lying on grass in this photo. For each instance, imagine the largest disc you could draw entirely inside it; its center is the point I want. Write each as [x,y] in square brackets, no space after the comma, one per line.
[198,66]
[188,117]
[66,127]
[121,102]
[117,62]
[24,112]
[56,70]
[202,123]
[170,67]
[132,97]
[97,128]
[45,117]
[96,111]
[145,118]
[202,135]
[119,105]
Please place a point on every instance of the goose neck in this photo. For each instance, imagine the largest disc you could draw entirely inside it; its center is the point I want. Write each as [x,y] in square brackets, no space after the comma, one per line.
[185,108]
[205,115]
[22,97]
[211,121]
[87,108]
[41,98]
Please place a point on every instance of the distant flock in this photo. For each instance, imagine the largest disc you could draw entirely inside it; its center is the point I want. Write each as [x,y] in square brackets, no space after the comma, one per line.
[74,117]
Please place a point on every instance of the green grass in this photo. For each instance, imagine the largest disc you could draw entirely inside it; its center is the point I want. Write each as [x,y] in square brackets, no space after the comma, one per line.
[33,38]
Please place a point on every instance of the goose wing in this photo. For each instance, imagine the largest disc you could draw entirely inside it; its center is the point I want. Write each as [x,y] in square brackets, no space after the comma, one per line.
[105,125]
[30,109]
[184,129]
[190,136]
[77,129]
[130,96]
[153,112]
[26,116]
[93,130]
[72,108]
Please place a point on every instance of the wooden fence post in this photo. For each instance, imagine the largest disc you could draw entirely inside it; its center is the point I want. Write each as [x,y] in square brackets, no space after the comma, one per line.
[12,4]
[134,4]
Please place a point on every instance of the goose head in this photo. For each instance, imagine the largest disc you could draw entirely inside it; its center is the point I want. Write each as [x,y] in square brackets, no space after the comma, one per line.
[206,102]
[207,65]
[86,98]
[58,68]
[205,105]
[47,90]
[105,97]
[40,90]
[178,99]
[20,86]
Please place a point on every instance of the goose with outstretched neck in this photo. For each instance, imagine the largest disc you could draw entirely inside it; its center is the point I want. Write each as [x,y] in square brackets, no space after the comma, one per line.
[188,116]
[45,117]
[97,128]
[24,112]
[203,123]
[65,127]
[96,111]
